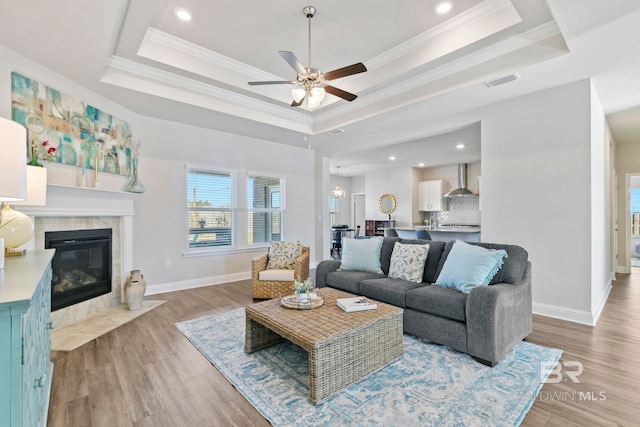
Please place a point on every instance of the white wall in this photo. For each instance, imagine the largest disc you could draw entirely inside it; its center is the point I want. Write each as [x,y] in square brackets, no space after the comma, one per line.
[160,231]
[537,192]
[397,183]
[601,266]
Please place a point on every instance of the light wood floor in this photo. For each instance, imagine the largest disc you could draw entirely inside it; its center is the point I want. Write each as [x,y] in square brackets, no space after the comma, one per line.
[146,373]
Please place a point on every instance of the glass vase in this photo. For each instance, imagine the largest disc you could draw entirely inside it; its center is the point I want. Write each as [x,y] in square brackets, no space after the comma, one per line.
[134,185]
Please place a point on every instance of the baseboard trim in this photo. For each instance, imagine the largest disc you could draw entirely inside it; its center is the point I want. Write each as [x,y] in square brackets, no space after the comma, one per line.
[564,313]
[623,269]
[196,283]
[603,301]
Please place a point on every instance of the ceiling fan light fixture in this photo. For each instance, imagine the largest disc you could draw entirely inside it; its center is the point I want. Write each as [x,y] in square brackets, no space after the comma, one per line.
[313,102]
[313,81]
[298,94]
[318,93]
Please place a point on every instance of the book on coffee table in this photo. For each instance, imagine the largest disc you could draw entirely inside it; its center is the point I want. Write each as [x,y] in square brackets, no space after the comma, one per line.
[355,304]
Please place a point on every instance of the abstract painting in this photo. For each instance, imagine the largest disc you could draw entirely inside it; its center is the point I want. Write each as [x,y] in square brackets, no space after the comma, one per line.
[82,135]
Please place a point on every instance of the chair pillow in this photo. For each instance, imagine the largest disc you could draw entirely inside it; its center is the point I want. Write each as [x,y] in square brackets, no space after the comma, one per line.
[362,255]
[468,266]
[407,262]
[282,255]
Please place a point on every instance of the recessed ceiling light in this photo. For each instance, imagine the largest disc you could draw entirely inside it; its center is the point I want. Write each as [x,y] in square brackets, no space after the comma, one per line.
[183,14]
[392,157]
[443,7]
[460,146]
[421,165]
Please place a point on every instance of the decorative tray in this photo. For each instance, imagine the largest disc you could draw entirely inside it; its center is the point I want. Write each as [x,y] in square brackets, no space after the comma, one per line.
[291,301]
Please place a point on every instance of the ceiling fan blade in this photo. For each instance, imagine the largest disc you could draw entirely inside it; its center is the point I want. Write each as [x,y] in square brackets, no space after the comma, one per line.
[293,61]
[278,82]
[345,71]
[340,93]
[299,103]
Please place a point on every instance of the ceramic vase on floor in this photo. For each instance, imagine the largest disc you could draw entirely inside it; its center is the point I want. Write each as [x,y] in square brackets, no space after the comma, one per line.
[134,289]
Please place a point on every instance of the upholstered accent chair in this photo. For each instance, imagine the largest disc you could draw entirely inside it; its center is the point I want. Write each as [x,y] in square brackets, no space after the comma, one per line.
[269,283]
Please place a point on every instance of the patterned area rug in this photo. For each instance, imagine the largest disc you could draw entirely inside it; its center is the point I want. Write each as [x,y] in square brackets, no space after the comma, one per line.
[429,385]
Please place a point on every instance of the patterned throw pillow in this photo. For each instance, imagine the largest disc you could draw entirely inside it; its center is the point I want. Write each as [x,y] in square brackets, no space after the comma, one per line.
[407,262]
[283,255]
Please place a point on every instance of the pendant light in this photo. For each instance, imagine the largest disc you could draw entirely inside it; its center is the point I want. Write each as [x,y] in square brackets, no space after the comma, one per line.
[338,192]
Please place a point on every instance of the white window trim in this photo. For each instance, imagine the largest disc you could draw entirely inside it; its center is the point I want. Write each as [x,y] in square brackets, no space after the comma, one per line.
[211,250]
[282,210]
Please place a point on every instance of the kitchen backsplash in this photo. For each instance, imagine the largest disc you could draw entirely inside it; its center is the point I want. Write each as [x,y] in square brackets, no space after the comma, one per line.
[462,210]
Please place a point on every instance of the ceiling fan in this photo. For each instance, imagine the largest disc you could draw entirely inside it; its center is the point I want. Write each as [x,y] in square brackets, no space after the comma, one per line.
[311,82]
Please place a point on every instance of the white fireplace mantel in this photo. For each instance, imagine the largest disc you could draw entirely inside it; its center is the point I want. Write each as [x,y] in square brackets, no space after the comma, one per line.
[63,200]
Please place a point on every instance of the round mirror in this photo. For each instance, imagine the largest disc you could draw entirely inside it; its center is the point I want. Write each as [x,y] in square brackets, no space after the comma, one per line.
[386,204]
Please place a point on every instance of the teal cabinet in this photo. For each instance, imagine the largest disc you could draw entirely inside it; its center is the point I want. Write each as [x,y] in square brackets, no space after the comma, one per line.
[25,343]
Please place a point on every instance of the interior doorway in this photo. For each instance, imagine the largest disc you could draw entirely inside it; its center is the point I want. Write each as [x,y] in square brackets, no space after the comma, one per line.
[632,220]
[359,211]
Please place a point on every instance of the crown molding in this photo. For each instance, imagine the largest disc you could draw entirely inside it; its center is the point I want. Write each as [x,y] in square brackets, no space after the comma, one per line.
[485,11]
[155,37]
[143,78]
[409,87]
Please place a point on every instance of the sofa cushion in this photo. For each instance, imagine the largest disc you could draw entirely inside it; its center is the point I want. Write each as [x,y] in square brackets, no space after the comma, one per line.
[515,263]
[468,266]
[436,250]
[361,255]
[439,301]
[407,262]
[349,281]
[389,290]
[282,255]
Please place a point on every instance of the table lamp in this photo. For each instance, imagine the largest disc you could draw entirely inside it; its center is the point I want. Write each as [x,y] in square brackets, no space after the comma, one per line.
[19,226]
[13,170]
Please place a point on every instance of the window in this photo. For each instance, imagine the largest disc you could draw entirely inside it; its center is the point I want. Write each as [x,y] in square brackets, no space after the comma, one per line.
[210,208]
[265,208]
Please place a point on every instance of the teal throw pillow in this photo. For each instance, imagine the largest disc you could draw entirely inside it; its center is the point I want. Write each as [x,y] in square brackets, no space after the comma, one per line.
[469,266]
[362,255]
[407,262]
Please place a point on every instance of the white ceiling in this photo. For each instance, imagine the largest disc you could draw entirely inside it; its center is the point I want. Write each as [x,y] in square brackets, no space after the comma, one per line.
[421,66]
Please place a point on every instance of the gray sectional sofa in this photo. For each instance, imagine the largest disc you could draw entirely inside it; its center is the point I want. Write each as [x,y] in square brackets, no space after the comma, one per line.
[485,323]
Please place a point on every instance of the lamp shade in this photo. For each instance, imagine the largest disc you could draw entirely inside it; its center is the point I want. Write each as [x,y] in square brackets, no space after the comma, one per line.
[36,187]
[13,161]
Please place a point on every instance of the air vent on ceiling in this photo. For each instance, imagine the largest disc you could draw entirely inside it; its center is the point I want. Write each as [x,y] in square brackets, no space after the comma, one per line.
[334,131]
[502,80]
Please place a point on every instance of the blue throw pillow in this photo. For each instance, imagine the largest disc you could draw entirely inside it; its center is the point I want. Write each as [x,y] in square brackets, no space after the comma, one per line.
[362,255]
[468,266]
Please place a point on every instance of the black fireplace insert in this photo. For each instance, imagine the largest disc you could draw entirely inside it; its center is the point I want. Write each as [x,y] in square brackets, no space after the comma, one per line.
[81,265]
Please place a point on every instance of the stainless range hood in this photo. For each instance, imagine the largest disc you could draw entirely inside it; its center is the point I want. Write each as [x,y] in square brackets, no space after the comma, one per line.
[462,190]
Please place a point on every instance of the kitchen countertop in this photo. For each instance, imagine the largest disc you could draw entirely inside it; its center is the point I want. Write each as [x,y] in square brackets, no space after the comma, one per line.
[442,229]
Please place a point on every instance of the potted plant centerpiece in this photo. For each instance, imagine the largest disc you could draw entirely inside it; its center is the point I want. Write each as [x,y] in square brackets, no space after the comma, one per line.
[303,289]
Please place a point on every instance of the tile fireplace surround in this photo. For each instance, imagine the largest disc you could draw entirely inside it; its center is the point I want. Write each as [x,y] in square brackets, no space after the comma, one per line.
[76,208]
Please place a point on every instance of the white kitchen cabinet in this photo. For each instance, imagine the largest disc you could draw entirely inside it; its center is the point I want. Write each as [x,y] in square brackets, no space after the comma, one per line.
[430,195]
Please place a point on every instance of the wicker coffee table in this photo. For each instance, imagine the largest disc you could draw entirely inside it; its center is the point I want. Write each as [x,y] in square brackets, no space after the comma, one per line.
[342,347]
